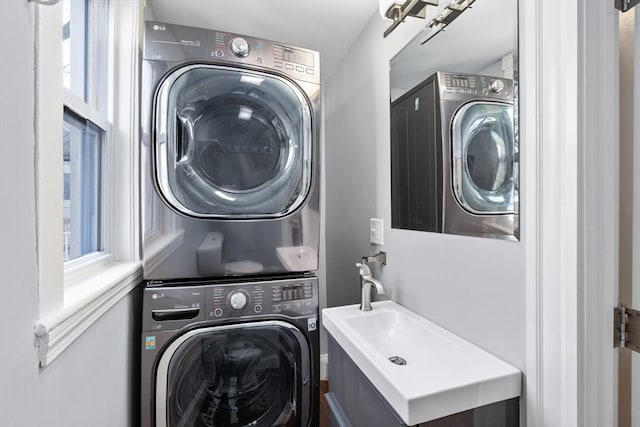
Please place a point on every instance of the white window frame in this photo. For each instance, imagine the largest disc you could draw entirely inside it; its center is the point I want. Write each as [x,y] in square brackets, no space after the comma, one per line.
[73,295]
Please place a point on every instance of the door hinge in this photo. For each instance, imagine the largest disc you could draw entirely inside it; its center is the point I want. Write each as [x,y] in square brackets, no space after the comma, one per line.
[625,5]
[626,327]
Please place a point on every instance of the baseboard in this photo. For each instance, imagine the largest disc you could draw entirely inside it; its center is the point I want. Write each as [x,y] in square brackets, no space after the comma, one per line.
[324,366]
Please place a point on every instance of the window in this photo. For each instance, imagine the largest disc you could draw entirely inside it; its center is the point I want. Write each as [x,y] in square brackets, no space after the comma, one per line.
[74,12]
[82,157]
[87,164]
[85,50]
[85,141]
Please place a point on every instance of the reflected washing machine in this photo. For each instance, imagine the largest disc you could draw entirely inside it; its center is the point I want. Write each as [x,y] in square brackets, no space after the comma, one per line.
[230,156]
[480,173]
[231,354]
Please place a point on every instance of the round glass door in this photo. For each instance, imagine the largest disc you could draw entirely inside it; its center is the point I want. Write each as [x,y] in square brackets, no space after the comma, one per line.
[231,143]
[236,376]
[483,157]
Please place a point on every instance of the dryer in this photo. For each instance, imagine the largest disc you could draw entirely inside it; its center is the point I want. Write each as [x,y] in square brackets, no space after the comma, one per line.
[230,155]
[480,172]
[454,157]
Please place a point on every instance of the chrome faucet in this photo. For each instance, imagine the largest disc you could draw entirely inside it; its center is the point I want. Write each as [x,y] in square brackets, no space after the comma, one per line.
[368,282]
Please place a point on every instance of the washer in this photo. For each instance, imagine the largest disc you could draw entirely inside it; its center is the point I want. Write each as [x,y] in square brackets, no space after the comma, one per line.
[480,172]
[231,354]
[230,155]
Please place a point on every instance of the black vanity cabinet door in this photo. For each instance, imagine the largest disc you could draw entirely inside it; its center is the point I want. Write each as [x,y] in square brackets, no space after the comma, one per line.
[416,160]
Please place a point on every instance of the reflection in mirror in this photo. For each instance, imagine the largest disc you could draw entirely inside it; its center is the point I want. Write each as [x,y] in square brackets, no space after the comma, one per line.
[454,147]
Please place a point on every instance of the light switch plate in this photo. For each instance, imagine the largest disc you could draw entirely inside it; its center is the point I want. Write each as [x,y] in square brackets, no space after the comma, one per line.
[376,231]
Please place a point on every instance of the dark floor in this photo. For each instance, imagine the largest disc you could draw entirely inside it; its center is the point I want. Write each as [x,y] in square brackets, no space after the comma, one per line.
[324,411]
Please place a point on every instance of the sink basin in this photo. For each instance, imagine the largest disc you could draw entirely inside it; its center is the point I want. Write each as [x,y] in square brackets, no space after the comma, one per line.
[442,374]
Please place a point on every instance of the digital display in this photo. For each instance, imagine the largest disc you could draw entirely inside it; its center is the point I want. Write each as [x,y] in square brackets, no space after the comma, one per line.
[294,292]
[296,56]
[461,81]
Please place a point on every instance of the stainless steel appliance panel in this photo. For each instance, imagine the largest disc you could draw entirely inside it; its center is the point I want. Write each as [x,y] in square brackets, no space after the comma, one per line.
[478,202]
[272,226]
[217,352]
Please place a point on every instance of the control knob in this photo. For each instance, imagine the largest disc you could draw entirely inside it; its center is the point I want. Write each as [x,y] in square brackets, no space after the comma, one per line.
[237,300]
[239,47]
[496,85]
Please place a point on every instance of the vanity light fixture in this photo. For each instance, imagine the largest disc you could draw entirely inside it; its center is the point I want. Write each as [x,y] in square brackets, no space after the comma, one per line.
[398,12]
[45,2]
[625,5]
[446,17]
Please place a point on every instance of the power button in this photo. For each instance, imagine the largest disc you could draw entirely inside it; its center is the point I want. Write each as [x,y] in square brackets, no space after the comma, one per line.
[217,312]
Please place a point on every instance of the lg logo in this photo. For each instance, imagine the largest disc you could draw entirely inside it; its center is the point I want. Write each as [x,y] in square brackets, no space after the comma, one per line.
[159,27]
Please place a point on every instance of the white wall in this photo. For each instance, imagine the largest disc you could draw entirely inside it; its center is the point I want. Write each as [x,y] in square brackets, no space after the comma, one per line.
[95,381]
[473,287]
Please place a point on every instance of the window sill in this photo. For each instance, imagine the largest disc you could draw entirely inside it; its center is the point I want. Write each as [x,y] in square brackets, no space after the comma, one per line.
[84,303]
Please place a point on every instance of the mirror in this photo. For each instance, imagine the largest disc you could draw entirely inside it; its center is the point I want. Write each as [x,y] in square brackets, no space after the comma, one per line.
[454,146]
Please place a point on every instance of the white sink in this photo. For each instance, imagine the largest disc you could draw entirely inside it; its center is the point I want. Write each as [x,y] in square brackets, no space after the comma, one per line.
[443,375]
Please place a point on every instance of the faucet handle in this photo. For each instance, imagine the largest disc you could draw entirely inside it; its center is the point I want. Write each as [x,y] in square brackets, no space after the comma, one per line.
[364,269]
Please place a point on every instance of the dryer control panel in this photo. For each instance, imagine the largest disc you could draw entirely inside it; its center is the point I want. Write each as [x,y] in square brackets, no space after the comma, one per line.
[170,307]
[173,43]
[475,85]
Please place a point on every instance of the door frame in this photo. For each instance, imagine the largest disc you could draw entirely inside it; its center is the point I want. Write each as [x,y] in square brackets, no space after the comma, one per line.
[569,132]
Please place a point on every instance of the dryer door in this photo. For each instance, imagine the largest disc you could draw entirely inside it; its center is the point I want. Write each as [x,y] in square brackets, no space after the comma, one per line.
[252,374]
[483,156]
[231,143]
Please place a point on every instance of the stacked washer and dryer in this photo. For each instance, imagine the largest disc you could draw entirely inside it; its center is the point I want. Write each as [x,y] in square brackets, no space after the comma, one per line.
[231,220]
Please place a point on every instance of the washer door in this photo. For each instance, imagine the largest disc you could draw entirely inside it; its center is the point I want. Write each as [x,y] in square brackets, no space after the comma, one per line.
[483,157]
[231,143]
[253,374]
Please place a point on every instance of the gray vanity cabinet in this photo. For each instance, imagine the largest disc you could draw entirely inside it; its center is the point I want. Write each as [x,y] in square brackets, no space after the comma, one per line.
[354,402]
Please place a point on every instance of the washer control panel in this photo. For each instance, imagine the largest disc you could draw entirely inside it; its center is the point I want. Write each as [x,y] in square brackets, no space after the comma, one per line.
[295,297]
[170,307]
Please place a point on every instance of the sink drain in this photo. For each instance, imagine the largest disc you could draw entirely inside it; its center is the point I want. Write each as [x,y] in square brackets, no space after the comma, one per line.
[397,360]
